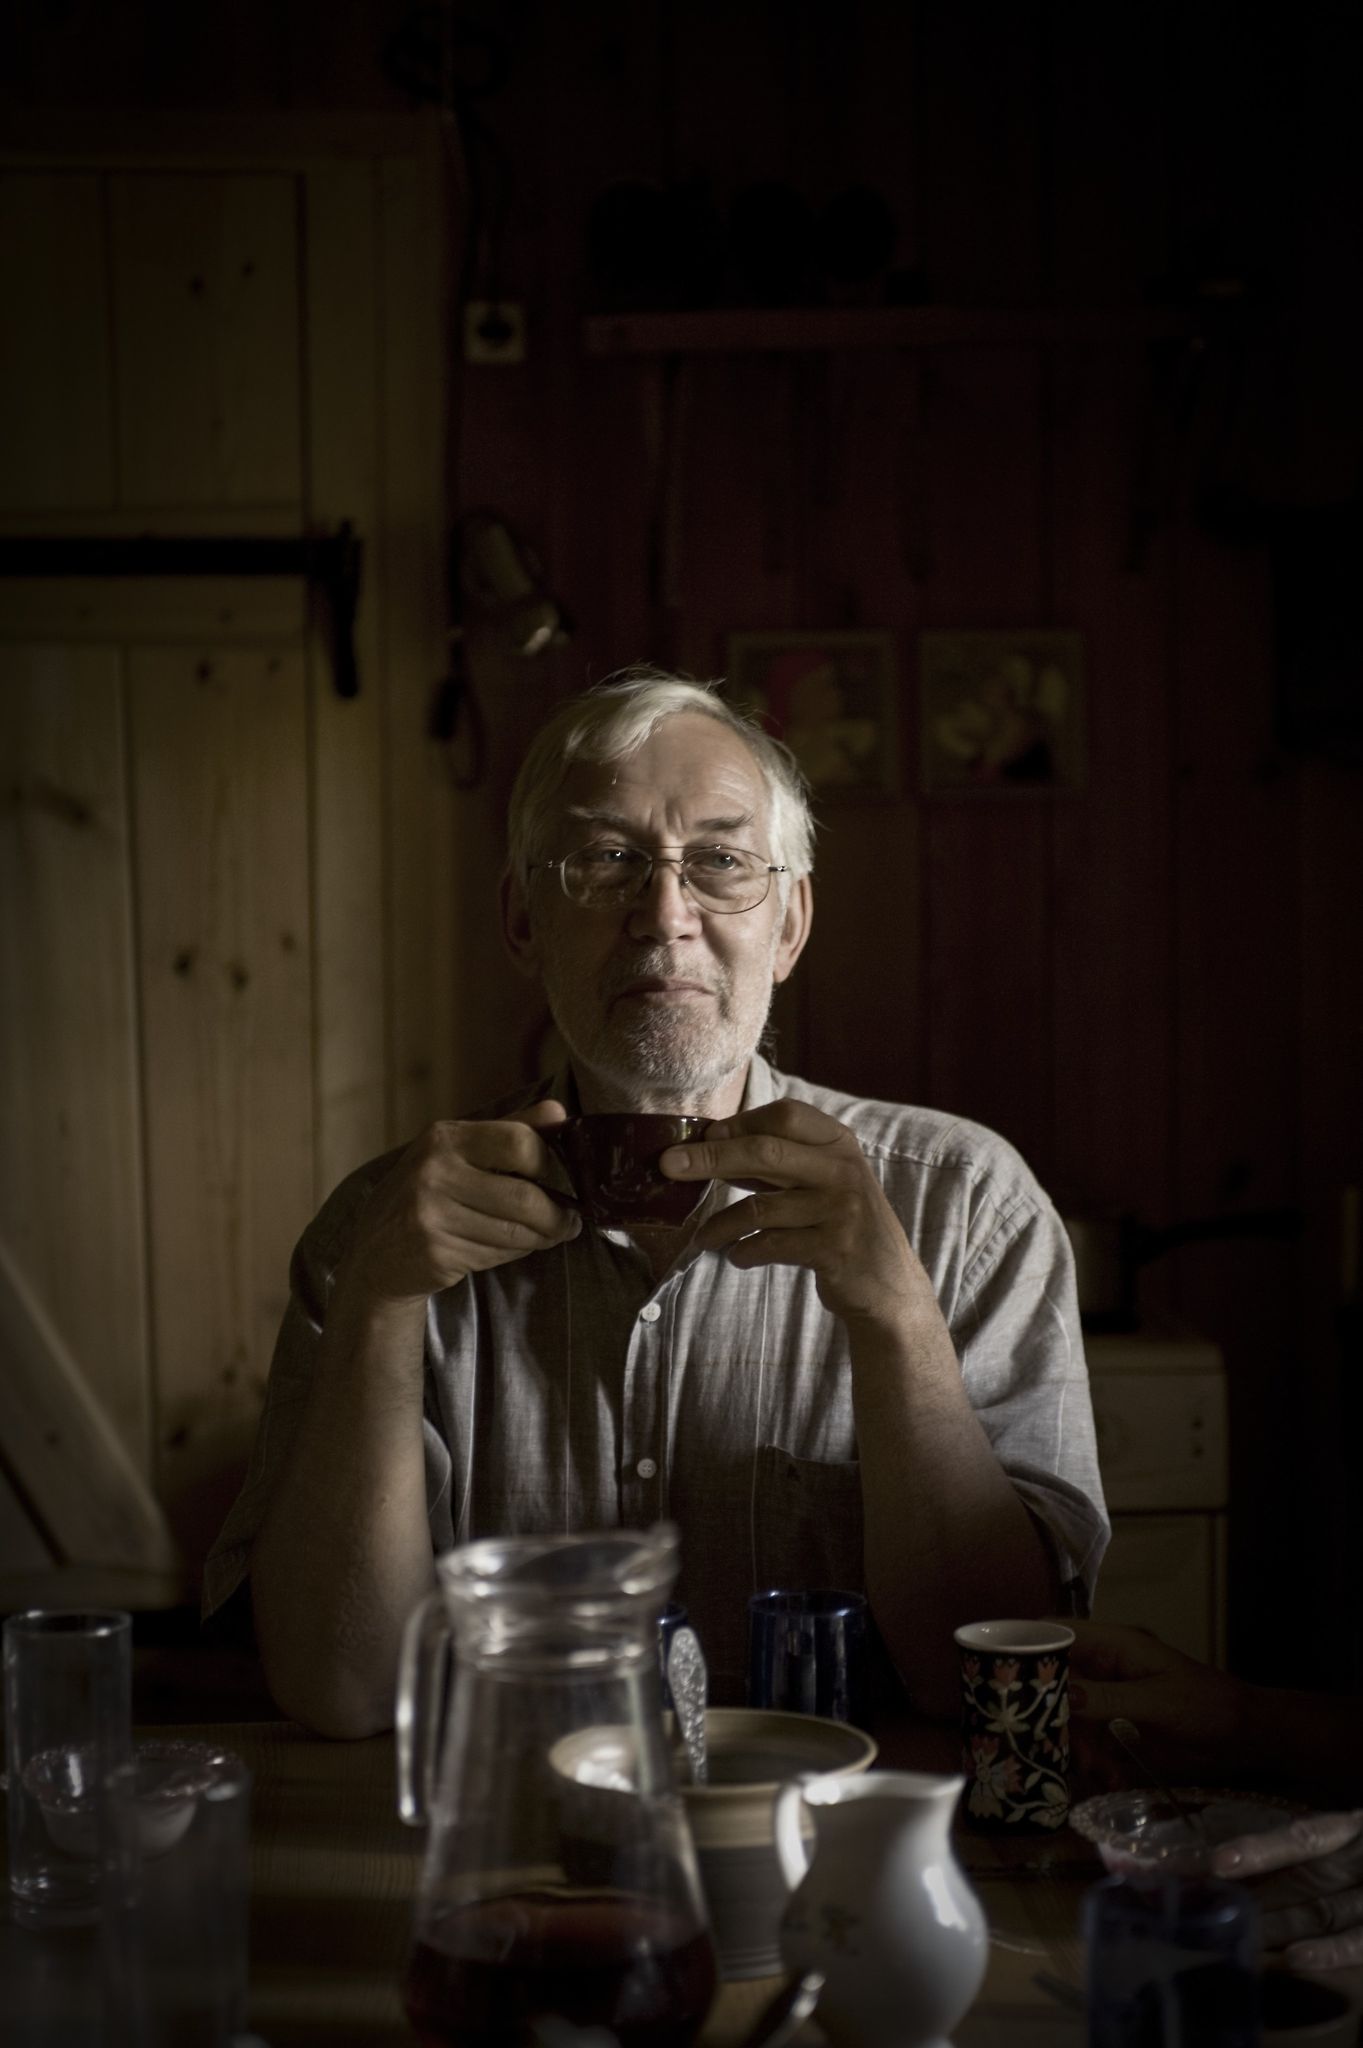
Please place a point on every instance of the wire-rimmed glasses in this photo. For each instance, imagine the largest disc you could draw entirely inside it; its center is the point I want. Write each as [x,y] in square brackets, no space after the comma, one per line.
[607,876]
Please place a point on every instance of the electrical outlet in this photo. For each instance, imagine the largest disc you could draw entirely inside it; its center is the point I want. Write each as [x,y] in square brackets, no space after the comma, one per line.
[494,331]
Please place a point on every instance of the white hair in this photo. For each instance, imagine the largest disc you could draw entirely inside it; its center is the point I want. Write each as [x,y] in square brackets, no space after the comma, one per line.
[614,718]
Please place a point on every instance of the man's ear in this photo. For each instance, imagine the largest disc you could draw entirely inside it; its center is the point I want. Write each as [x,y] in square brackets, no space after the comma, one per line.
[794,928]
[517,932]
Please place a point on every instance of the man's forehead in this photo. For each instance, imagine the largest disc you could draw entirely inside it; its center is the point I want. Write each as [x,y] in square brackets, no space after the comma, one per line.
[688,767]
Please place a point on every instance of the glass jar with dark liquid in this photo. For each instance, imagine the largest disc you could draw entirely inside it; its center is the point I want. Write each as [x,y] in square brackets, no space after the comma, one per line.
[559,1883]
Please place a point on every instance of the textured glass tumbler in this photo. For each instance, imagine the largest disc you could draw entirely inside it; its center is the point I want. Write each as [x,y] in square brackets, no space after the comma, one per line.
[1172,1964]
[807,1654]
[68,1720]
[176,1890]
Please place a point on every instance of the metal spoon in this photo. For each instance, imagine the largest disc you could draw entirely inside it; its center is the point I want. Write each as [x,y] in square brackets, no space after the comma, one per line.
[1127,1737]
[686,1678]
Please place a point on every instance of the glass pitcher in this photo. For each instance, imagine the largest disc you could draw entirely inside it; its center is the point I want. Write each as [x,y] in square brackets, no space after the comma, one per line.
[560,1887]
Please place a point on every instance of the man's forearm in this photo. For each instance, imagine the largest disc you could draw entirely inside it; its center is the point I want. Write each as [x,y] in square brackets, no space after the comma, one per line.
[344,1551]
[947,1537]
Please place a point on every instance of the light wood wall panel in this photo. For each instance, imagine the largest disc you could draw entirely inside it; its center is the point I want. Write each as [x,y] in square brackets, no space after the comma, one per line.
[227,891]
[87,1498]
[206,338]
[220,793]
[411,563]
[344,283]
[56,384]
[71,1187]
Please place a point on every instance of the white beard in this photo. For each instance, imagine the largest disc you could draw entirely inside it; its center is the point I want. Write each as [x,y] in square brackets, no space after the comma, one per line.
[664,1058]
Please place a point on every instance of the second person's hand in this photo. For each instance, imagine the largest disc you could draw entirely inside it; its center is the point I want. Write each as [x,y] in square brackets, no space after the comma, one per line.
[1311,1897]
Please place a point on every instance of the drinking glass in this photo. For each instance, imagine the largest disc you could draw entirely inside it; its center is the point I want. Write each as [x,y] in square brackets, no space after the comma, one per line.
[68,1720]
[1171,1960]
[176,1886]
[807,1654]
[1015,1732]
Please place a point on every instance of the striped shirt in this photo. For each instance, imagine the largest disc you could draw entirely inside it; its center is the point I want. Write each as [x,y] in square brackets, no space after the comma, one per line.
[569,1390]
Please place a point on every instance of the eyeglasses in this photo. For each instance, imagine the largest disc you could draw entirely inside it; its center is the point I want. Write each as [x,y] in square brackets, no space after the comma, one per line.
[607,876]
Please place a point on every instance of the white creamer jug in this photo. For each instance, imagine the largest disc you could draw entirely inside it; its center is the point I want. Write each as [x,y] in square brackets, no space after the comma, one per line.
[883,1909]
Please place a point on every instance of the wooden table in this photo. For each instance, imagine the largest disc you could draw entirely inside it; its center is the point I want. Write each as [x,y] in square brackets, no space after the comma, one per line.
[334,1873]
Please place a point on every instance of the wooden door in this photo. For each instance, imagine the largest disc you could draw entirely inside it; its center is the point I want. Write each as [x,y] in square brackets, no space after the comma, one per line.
[224,889]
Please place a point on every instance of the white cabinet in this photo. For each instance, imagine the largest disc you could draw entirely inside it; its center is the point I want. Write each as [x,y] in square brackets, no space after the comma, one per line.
[1159,1404]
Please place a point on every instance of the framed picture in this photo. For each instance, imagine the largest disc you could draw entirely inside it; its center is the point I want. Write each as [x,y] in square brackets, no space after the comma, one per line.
[830,696]
[1001,711]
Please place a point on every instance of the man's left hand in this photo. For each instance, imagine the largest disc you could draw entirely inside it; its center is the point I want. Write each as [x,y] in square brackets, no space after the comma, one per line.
[815,1203]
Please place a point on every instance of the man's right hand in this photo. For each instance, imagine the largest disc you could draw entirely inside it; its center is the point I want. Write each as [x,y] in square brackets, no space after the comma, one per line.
[462,1198]
[1192,1718]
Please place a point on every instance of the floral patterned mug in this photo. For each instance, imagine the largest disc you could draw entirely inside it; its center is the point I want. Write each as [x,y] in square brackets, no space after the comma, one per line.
[1015,1723]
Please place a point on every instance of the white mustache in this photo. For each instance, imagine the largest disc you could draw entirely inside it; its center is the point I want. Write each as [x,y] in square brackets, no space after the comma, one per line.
[658,965]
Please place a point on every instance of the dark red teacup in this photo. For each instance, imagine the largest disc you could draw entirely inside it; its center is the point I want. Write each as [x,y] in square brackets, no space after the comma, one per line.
[612,1162]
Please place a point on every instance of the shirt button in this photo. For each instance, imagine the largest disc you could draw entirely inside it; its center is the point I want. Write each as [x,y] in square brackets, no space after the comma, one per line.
[650,1312]
[646,1468]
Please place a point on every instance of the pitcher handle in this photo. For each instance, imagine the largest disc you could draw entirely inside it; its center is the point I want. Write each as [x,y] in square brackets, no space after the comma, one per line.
[420,1695]
[791,1853]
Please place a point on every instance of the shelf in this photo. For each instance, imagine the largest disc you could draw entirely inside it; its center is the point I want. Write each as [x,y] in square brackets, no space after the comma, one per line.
[742,329]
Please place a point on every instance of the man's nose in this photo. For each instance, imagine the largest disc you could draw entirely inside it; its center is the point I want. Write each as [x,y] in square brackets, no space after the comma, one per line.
[664,907]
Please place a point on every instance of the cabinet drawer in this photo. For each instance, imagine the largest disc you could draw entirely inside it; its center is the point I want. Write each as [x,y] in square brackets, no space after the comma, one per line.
[1167,1573]
[1161,1439]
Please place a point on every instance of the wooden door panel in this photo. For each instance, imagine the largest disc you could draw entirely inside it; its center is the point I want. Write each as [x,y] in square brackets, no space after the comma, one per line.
[71,1206]
[207,338]
[220,795]
[56,386]
[226,948]
[351,1049]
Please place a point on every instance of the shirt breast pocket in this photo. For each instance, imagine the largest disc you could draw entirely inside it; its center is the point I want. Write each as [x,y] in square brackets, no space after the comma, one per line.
[808,1522]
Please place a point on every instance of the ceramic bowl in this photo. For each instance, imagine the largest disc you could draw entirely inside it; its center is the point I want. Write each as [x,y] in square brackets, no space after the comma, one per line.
[1138,1832]
[752,1753]
[62,1781]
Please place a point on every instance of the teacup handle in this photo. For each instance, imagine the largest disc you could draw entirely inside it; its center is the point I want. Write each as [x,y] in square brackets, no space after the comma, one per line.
[420,1695]
[791,1852]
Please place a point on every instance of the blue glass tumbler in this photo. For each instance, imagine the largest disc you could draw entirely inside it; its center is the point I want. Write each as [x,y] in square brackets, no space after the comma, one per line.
[1171,1963]
[807,1654]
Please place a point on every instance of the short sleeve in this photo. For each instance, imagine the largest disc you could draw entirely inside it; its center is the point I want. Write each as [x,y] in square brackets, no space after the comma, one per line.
[1018,1338]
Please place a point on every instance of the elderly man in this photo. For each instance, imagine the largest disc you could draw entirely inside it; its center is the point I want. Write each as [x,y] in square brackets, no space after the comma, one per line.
[858,1364]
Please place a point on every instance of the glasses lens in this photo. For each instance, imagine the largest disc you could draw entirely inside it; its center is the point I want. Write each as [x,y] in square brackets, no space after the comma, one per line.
[719,877]
[726,878]
[601,875]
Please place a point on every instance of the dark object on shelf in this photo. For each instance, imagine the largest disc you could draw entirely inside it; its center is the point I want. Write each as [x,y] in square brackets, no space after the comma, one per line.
[854,241]
[625,244]
[695,245]
[907,285]
[771,239]
[330,563]
[648,245]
